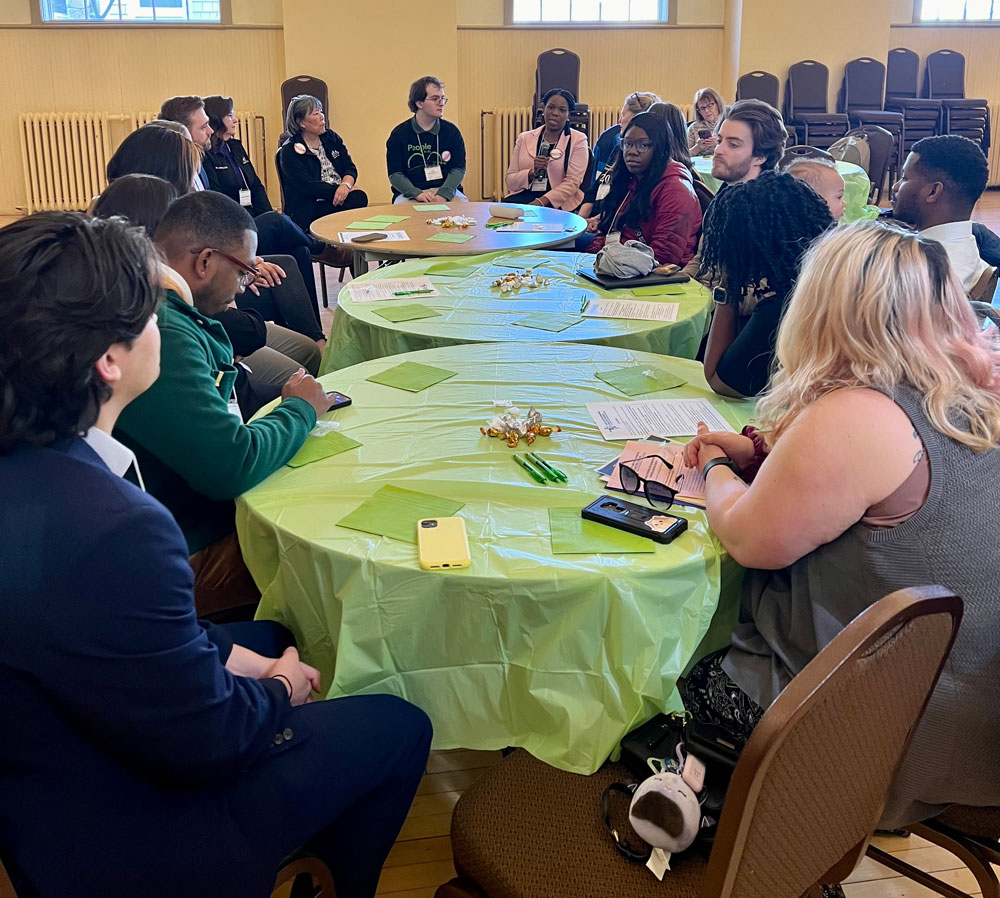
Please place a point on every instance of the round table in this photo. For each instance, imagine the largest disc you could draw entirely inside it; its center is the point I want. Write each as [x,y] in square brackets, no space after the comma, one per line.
[471,311]
[330,229]
[560,654]
[857,186]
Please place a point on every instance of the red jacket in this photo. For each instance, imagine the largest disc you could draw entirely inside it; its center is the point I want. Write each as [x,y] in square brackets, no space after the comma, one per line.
[674,221]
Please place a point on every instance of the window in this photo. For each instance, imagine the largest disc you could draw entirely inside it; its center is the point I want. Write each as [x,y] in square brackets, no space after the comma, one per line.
[959,11]
[543,12]
[117,11]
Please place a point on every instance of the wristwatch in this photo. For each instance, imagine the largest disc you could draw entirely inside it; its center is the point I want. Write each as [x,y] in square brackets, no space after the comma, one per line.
[719,296]
[725,462]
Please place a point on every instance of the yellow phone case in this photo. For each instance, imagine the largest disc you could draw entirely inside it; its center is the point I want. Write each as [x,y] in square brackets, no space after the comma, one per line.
[442,543]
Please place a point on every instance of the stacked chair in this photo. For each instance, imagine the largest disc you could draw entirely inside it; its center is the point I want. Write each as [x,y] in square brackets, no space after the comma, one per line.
[806,107]
[862,99]
[921,116]
[758,86]
[944,80]
[560,68]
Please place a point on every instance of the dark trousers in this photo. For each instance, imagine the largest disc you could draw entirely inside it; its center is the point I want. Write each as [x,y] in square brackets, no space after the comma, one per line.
[289,303]
[524,198]
[277,234]
[356,199]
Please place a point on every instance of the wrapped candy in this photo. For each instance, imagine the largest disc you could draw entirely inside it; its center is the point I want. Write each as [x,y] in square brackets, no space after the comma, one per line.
[513,281]
[451,221]
[512,426]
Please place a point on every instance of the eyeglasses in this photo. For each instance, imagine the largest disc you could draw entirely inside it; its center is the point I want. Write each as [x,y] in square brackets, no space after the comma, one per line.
[248,274]
[641,146]
[442,100]
[658,494]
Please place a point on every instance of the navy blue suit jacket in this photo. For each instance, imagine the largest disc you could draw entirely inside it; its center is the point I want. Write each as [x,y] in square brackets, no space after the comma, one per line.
[122,729]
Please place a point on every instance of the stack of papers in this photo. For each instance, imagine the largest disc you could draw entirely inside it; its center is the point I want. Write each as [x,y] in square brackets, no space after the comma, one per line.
[390,288]
[631,308]
[391,236]
[670,417]
[688,482]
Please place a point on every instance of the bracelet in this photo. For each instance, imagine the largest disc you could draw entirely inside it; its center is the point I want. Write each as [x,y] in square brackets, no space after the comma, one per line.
[289,682]
[724,461]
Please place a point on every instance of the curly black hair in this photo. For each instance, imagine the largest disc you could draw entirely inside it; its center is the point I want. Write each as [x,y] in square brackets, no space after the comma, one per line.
[662,153]
[957,161]
[758,231]
[70,287]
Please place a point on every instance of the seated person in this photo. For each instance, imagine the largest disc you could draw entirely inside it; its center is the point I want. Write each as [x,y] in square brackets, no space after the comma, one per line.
[607,152]
[891,435]
[195,454]
[549,163]
[425,155]
[709,107]
[161,149]
[175,758]
[674,120]
[755,236]
[317,173]
[939,186]
[823,177]
[652,197]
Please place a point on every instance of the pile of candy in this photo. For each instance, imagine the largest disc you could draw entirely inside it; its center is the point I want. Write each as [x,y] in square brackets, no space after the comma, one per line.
[511,283]
[512,427]
[452,221]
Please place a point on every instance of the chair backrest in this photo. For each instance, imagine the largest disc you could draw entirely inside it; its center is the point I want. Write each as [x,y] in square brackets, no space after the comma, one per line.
[704,194]
[901,73]
[758,86]
[864,84]
[812,781]
[982,291]
[881,145]
[281,176]
[304,84]
[806,88]
[944,75]
[801,151]
[557,68]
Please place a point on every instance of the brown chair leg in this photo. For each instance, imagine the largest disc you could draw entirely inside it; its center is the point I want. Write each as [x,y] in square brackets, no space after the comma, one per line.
[340,279]
[967,852]
[315,868]
[984,875]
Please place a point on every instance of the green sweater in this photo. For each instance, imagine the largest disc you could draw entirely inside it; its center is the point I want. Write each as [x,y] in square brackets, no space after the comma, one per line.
[194,455]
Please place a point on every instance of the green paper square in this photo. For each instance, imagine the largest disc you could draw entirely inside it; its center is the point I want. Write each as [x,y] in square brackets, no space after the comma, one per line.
[389,219]
[658,290]
[548,321]
[406,313]
[633,382]
[366,226]
[431,207]
[316,448]
[445,237]
[411,376]
[572,535]
[394,512]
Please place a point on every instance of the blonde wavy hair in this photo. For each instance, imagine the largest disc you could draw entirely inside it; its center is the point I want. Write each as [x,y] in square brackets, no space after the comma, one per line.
[879,307]
[640,100]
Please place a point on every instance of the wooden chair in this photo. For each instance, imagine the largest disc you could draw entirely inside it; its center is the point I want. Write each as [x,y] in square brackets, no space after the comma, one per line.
[803,801]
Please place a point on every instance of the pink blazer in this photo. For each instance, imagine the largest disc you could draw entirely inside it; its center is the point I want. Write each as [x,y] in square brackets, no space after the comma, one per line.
[564,192]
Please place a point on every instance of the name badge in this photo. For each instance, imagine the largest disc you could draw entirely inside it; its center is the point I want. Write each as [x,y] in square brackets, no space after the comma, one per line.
[432,173]
[540,185]
[245,198]
[603,189]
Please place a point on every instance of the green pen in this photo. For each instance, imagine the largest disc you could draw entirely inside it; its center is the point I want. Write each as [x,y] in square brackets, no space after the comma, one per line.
[583,304]
[530,470]
[536,457]
[544,470]
[414,292]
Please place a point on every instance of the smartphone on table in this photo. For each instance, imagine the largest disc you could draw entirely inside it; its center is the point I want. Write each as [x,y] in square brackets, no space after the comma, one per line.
[442,543]
[368,238]
[337,400]
[637,519]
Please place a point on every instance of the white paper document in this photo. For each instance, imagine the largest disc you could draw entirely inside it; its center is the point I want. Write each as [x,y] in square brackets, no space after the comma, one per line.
[534,227]
[632,308]
[390,237]
[666,417]
[390,288]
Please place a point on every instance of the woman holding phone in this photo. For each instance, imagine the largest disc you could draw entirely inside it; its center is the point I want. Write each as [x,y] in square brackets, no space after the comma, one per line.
[708,108]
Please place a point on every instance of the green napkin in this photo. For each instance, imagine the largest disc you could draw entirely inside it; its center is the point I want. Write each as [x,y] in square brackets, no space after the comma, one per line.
[447,269]
[445,237]
[394,512]
[389,219]
[656,289]
[572,535]
[411,376]
[366,226]
[633,381]
[316,448]
[406,313]
[431,207]
[548,321]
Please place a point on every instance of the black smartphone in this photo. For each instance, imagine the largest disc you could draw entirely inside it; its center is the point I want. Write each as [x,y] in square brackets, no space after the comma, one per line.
[337,400]
[637,519]
[704,134]
[369,238]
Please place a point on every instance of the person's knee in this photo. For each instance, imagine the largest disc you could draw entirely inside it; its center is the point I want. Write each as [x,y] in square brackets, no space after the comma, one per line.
[359,197]
[410,722]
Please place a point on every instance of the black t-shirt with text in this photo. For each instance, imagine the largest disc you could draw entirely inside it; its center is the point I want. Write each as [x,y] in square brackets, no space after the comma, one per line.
[408,153]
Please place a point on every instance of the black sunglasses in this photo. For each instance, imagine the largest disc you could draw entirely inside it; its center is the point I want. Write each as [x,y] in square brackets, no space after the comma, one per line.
[658,494]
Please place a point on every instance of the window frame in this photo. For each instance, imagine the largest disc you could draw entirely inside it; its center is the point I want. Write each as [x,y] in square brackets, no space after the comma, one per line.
[225,20]
[668,13]
[953,23]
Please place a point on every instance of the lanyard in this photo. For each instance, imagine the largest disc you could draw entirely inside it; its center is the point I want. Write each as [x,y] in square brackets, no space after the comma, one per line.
[621,206]
[232,161]
[538,146]
[437,145]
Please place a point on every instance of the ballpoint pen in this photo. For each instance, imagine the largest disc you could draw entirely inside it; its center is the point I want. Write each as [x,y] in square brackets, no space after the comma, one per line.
[414,292]
[583,304]
[544,470]
[534,456]
[535,475]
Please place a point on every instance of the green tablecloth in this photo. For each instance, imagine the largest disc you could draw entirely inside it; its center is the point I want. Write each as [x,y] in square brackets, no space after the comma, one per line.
[857,186]
[561,654]
[472,312]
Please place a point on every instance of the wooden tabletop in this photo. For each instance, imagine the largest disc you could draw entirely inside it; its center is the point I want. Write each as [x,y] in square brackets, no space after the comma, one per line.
[329,228]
